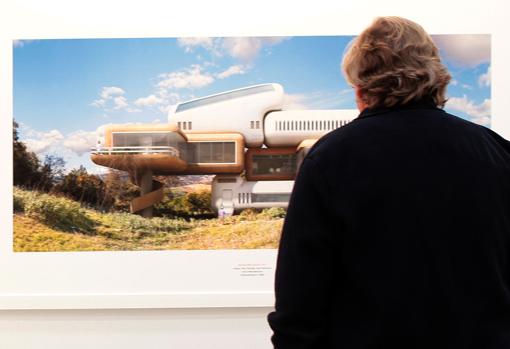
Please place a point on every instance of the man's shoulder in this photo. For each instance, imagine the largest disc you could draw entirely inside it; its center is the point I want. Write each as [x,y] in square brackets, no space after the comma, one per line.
[363,132]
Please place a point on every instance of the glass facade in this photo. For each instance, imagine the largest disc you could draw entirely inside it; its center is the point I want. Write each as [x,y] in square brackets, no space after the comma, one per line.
[274,164]
[146,139]
[211,152]
[270,197]
[223,97]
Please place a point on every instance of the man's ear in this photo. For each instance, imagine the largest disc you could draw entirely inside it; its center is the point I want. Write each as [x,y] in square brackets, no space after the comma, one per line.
[359,99]
[357,91]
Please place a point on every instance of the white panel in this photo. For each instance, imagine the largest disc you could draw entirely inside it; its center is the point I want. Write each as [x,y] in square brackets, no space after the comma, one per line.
[291,127]
[234,115]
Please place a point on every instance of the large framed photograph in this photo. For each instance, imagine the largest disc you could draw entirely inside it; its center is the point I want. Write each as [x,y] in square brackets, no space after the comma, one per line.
[154,169]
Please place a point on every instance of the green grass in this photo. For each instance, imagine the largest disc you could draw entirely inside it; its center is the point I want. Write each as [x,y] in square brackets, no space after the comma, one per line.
[44,222]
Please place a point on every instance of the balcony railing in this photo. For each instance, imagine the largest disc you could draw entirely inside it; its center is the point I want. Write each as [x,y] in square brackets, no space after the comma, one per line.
[135,150]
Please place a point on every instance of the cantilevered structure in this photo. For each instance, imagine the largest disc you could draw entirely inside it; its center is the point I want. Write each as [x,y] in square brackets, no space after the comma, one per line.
[243,137]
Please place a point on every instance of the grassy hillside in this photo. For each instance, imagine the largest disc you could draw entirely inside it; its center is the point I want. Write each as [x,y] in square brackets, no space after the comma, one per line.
[45,222]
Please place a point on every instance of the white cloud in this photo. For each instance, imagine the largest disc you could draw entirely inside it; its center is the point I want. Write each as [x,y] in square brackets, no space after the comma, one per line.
[189,44]
[188,78]
[98,103]
[232,70]
[80,142]
[479,113]
[485,78]
[110,91]
[243,48]
[148,101]
[40,142]
[294,101]
[112,98]
[247,48]
[120,102]
[465,50]
[454,82]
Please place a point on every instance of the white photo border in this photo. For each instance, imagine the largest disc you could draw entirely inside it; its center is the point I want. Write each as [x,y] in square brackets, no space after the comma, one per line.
[181,279]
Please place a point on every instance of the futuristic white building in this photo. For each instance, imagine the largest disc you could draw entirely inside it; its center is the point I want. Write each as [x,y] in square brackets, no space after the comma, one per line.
[242,136]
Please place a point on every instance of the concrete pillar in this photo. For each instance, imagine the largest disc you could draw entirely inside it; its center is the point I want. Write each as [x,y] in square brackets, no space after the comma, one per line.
[146,188]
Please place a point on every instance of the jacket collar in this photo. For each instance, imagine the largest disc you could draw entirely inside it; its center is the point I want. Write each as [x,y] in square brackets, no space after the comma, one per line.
[424,103]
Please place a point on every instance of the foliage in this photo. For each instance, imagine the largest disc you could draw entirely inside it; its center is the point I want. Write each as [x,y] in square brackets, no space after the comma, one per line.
[57,212]
[18,202]
[85,188]
[28,170]
[120,189]
[25,163]
[143,226]
[51,172]
[43,222]
[274,212]
[179,203]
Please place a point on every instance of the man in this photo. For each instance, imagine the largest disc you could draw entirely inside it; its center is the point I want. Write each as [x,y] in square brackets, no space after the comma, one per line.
[397,233]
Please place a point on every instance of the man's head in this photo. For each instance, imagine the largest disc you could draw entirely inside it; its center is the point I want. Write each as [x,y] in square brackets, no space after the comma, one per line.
[393,62]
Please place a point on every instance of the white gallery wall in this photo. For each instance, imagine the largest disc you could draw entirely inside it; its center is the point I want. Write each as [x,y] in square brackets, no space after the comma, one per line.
[213,328]
[195,327]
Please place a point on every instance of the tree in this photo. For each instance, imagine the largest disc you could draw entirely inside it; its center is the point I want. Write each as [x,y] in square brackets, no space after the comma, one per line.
[25,163]
[85,188]
[51,172]
[120,188]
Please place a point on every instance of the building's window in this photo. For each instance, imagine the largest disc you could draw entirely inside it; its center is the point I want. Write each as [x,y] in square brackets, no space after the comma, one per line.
[274,164]
[179,124]
[184,125]
[239,197]
[251,124]
[211,152]
[146,139]
[189,125]
[226,180]
[217,152]
[257,124]
[270,197]
[223,97]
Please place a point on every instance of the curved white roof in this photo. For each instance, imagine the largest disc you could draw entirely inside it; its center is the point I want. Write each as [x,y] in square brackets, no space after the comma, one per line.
[241,110]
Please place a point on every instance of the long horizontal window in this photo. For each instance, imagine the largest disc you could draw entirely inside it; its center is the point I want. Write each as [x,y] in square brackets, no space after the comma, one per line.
[274,164]
[145,139]
[223,97]
[211,152]
[270,197]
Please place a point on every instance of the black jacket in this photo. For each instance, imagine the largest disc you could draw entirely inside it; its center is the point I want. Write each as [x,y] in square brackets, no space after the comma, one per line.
[397,235]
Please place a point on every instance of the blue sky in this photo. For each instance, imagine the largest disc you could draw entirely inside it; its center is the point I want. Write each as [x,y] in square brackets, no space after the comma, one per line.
[65,89]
